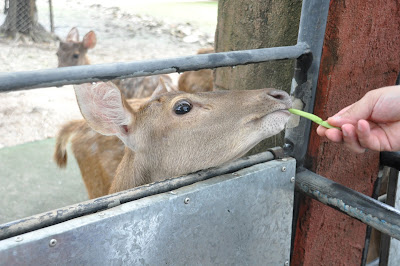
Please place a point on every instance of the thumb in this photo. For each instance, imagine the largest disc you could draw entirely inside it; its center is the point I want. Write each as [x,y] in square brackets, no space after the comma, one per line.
[361,109]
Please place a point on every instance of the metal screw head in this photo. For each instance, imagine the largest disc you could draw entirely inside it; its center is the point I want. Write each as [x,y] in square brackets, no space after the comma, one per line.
[283,169]
[287,263]
[292,179]
[186,201]
[53,243]
[288,147]
[19,239]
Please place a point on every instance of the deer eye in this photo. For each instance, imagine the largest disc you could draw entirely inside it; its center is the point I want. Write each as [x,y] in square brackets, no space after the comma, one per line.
[76,56]
[182,107]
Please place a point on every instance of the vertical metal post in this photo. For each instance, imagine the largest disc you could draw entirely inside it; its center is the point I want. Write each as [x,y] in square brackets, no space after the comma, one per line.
[390,200]
[51,17]
[313,20]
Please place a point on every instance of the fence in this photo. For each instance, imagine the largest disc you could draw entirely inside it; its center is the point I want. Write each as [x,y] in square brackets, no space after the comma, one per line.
[307,54]
[21,15]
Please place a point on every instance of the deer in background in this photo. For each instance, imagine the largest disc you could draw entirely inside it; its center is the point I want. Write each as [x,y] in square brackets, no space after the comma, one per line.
[172,134]
[73,52]
[197,81]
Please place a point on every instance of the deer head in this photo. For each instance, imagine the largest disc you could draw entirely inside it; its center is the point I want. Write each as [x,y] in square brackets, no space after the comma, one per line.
[72,52]
[178,133]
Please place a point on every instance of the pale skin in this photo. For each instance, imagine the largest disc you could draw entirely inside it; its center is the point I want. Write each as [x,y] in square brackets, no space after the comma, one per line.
[371,123]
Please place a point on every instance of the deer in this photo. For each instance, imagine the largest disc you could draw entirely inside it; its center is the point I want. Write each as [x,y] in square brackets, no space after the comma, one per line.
[73,52]
[200,80]
[97,155]
[169,135]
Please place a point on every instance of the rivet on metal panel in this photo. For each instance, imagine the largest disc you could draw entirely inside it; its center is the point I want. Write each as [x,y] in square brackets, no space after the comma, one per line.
[283,169]
[19,239]
[186,201]
[292,179]
[287,263]
[53,243]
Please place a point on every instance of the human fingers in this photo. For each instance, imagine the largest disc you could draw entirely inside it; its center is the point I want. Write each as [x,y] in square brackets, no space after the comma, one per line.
[334,135]
[344,110]
[361,109]
[321,131]
[365,138]
[350,139]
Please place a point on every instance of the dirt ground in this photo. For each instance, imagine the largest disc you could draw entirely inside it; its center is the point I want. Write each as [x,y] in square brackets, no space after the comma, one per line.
[122,36]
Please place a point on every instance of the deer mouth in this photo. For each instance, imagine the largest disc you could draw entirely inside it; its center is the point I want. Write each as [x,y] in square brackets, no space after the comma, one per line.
[259,118]
[284,111]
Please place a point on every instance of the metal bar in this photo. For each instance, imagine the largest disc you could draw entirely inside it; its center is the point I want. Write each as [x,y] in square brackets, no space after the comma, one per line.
[384,246]
[92,73]
[313,19]
[314,14]
[369,211]
[375,194]
[391,159]
[91,206]
[51,16]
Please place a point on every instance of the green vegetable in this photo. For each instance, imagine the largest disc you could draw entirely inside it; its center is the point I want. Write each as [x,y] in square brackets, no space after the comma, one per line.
[312,117]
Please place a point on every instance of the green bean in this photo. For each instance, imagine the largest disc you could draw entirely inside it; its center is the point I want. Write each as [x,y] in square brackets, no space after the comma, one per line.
[312,117]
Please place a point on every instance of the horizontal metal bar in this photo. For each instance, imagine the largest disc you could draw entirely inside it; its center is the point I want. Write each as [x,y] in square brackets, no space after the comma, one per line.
[357,205]
[11,81]
[91,206]
[391,159]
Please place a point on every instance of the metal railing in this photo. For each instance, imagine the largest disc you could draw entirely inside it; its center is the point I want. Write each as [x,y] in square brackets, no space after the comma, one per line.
[91,73]
[307,53]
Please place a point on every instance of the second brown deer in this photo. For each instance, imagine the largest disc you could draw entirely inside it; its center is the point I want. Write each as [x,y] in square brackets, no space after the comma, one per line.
[171,134]
[73,52]
[197,81]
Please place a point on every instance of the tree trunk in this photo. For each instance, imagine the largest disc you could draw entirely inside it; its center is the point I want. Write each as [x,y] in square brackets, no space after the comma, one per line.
[22,22]
[252,25]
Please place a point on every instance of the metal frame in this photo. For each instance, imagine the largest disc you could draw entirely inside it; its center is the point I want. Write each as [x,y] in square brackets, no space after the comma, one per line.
[307,53]
[91,73]
[357,205]
[314,15]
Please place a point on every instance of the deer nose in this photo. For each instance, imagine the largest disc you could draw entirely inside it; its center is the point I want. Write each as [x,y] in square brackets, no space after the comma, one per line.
[280,95]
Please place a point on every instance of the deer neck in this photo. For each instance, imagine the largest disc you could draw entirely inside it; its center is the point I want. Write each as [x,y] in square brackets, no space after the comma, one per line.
[130,173]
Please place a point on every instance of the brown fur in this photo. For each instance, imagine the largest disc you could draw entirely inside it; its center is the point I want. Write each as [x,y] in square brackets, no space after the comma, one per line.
[97,155]
[197,81]
[221,126]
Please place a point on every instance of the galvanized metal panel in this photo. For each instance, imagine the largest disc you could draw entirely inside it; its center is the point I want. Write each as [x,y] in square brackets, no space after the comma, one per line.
[242,218]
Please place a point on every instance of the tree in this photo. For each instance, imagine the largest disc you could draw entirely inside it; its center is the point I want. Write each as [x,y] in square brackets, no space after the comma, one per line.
[257,24]
[22,22]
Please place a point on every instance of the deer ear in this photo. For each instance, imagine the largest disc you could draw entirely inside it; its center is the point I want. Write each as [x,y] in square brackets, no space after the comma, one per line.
[103,107]
[162,88]
[89,40]
[73,35]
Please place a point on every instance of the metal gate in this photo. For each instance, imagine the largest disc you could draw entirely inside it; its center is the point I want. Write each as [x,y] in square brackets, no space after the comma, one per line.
[240,213]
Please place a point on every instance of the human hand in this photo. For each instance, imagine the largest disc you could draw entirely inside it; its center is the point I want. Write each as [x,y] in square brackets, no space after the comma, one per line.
[372,123]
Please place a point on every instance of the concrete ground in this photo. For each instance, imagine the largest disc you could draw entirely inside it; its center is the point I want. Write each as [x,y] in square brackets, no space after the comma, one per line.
[31,183]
